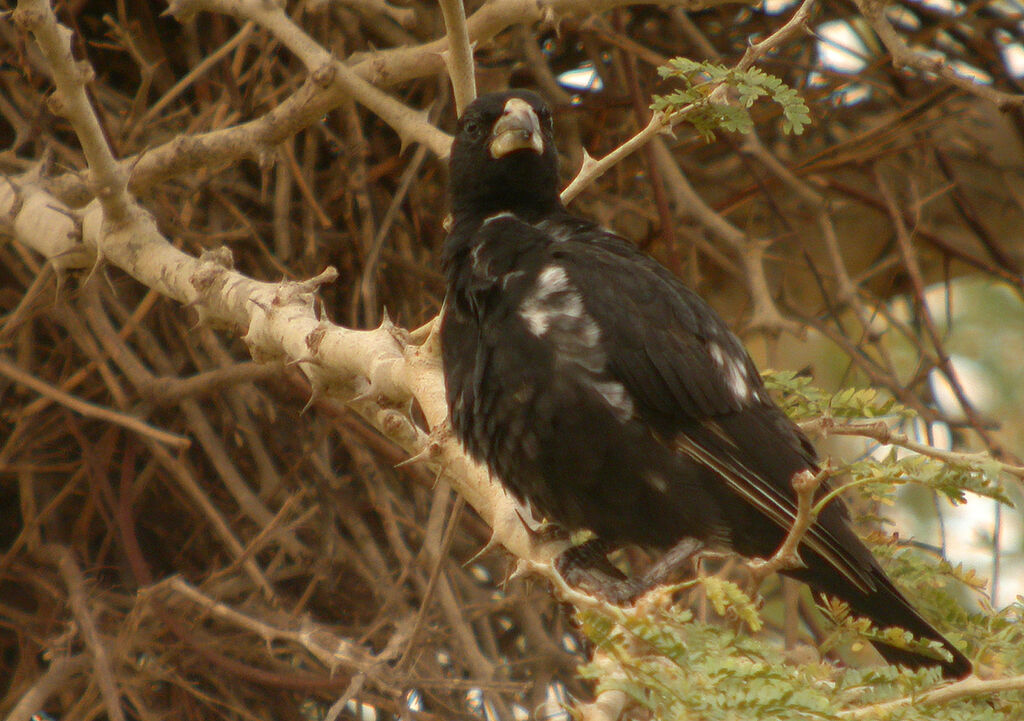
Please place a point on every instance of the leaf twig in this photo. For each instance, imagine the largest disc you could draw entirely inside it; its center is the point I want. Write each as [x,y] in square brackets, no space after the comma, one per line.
[805,483]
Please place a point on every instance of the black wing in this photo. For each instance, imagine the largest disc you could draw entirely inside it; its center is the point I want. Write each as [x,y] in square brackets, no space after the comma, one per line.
[693,383]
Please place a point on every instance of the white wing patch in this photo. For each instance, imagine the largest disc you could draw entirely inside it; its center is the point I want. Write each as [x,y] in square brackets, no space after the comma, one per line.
[617,396]
[554,311]
[735,373]
[498,216]
[552,300]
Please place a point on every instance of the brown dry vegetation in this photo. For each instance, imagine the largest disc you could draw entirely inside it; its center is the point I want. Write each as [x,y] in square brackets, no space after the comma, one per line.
[180,538]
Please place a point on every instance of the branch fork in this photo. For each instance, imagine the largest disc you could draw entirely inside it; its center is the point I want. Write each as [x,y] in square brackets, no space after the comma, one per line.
[806,484]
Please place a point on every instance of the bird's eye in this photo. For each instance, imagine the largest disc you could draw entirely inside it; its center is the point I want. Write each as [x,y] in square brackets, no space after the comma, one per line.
[472,128]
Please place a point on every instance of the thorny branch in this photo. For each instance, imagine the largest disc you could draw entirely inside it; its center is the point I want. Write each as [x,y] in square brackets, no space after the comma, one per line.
[806,484]
[884,433]
[961,689]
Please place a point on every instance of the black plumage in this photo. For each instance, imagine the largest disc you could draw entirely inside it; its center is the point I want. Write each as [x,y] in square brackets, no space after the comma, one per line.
[608,395]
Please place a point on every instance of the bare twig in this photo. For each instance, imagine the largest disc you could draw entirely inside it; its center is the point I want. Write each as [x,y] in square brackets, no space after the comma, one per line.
[969,687]
[56,676]
[805,483]
[328,648]
[660,123]
[84,615]
[108,179]
[884,433]
[903,55]
[459,55]
[796,25]
[325,72]
[11,370]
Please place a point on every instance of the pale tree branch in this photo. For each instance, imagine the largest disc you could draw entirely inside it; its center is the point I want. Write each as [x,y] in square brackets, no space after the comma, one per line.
[459,56]
[85,617]
[57,675]
[326,72]
[108,179]
[883,433]
[660,123]
[282,325]
[969,687]
[382,373]
[905,56]
[324,92]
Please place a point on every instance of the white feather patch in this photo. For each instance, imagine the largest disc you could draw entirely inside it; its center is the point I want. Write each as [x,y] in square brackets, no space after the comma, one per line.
[498,216]
[735,373]
[555,311]
[617,396]
[552,299]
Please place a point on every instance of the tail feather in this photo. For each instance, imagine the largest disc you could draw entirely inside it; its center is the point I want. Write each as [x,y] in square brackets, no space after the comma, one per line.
[886,607]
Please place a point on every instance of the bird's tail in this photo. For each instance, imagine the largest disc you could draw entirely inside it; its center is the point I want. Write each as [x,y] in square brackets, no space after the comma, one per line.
[886,607]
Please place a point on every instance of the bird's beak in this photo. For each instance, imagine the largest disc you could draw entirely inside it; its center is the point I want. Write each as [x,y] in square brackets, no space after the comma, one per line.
[517,129]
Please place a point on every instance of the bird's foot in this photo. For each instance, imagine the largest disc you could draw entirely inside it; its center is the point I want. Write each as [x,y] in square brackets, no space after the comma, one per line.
[587,568]
[671,563]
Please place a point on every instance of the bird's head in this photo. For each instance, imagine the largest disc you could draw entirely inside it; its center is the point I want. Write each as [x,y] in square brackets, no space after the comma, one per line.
[504,156]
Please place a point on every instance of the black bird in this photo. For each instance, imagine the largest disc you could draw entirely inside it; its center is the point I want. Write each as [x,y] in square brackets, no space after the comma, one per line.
[609,396]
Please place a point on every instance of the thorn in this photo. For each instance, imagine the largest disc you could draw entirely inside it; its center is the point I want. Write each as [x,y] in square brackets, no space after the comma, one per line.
[432,343]
[327,275]
[491,544]
[58,284]
[299,361]
[588,161]
[315,394]
[419,335]
[266,156]
[521,569]
[405,140]
[441,470]
[422,456]
[401,335]
[95,265]
[533,524]
[548,18]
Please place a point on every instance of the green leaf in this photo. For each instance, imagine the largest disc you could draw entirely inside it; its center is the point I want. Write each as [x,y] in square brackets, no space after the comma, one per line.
[700,78]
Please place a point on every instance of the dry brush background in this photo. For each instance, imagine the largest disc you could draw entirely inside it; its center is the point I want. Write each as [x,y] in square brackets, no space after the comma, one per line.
[183,531]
